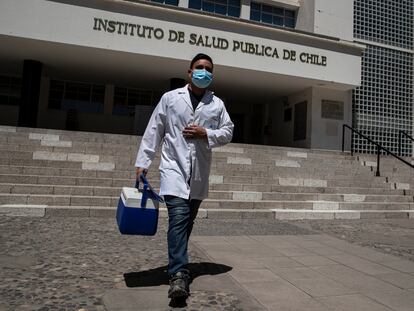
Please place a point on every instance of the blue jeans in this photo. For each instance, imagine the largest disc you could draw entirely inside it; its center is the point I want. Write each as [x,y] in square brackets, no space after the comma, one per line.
[181,215]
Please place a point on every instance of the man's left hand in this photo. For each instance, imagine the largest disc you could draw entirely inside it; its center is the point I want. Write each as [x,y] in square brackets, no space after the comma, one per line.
[194,131]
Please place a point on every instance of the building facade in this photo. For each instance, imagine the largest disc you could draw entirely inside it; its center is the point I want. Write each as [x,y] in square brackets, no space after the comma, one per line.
[291,72]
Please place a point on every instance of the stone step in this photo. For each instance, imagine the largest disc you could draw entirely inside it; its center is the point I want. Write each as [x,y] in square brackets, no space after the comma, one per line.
[213,194]
[130,151]
[281,214]
[65,156]
[121,169]
[80,139]
[303,189]
[277,214]
[218,159]
[25,186]
[62,135]
[274,196]
[55,171]
[121,182]
[90,171]
[298,205]
[68,200]
[235,163]
[128,139]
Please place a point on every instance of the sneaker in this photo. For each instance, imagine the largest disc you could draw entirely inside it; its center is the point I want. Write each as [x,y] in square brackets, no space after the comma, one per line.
[179,286]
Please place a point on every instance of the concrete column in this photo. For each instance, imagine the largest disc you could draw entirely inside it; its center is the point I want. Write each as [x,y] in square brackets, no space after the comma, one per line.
[43,102]
[245,9]
[183,3]
[109,99]
[29,104]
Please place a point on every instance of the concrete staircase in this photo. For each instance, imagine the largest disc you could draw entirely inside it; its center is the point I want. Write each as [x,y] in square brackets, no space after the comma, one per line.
[78,173]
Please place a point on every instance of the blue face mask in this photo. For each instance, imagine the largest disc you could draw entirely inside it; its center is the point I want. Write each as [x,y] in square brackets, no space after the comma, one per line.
[201,78]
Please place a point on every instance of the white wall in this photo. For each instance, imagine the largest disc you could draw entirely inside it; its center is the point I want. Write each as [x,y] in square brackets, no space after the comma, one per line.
[327,133]
[335,18]
[321,133]
[327,17]
[305,19]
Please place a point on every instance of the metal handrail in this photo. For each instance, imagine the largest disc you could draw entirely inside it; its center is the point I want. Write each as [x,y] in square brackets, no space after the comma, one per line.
[400,134]
[379,147]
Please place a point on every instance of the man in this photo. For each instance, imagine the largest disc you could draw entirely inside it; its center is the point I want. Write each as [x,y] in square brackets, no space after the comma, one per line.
[188,122]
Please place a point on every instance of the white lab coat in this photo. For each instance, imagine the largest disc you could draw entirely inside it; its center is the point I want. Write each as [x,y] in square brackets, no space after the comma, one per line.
[185,162]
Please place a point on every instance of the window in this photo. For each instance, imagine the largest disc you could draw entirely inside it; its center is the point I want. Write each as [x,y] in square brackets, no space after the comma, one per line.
[169,2]
[10,90]
[223,7]
[383,104]
[82,97]
[125,100]
[385,21]
[272,15]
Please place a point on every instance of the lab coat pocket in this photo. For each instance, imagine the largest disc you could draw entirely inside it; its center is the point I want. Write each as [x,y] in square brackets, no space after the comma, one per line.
[211,124]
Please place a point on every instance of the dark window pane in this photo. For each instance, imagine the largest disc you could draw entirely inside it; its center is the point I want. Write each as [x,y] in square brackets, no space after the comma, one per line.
[120,91]
[71,91]
[255,6]
[133,97]
[224,2]
[98,94]
[255,16]
[278,11]
[277,20]
[208,6]
[84,92]
[266,18]
[233,11]
[194,4]
[267,8]
[290,22]
[289,13]
[172,2]
[120,97]
[221,9]
[146,98]
[56,94]
[159,1]
[234,3]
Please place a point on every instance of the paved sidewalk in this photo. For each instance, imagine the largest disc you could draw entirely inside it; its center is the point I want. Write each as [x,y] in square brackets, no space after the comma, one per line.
[314,272]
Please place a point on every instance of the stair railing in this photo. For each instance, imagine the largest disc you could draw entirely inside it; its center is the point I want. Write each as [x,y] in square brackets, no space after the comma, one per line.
[379,147]
[400,136]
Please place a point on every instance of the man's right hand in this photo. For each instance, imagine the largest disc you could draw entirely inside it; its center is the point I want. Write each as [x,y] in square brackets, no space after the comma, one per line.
[140,171]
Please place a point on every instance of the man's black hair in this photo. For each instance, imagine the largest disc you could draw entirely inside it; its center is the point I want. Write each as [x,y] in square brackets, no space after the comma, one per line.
[200,56]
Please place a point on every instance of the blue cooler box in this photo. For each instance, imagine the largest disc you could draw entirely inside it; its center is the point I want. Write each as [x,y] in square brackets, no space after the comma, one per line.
[135,214]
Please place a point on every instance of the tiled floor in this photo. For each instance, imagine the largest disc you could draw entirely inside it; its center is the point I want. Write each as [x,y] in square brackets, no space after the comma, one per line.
[313,272]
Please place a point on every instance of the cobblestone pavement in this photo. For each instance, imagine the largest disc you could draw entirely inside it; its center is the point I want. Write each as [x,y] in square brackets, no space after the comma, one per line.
[69,263]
